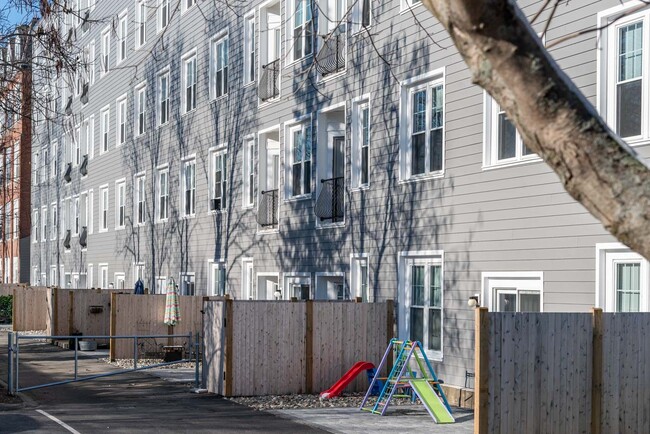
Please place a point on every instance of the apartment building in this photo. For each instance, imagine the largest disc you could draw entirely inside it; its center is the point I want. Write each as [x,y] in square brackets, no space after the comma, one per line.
[326,150]
[15,153]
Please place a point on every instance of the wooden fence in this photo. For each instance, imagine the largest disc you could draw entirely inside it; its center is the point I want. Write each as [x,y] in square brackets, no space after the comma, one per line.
[278,347]
[85,311]
[31,310]
[562,372]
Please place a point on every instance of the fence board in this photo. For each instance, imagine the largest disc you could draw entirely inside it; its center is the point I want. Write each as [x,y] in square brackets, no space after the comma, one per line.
[31,308]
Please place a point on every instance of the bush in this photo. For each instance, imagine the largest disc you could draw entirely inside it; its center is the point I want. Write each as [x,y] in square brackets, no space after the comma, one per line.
[6,304]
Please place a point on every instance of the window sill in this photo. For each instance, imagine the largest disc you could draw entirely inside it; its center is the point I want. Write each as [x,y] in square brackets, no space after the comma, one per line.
[336,225]
[188,216]
[360,188]
[216,99]
[268,231]
[102,231]
[140,225]
[407,8]
[268,102]
[361,30]
[217,211]
[332,77]
[120,228]
[425,177]
[511,163]
[293,62]
[189,112]
[249,84]
[298,198]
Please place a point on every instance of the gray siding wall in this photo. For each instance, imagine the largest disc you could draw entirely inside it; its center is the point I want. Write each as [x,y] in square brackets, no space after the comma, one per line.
[505,219]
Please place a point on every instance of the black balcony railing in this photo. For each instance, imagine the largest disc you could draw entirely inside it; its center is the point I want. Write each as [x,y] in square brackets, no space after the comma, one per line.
[83,167]
[83,238]
[267,212]
[329,205]
[67,175]
[269,81]
[66,240]
[84,94]
[331,57]
[68,106]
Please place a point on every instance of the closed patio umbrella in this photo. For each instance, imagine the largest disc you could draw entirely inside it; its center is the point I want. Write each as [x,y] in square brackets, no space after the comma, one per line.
[172,312]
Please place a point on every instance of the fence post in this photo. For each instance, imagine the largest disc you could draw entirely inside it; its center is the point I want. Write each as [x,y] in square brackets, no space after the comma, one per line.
[10,358]
[113,326]
[55,311]
[390,329]
[481,363]
[309,346]
[230,321]
[70,313]
[596,370]
[13,310]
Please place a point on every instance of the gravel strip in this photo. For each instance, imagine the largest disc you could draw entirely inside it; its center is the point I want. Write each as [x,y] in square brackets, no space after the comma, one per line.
[286,402]
[128,363]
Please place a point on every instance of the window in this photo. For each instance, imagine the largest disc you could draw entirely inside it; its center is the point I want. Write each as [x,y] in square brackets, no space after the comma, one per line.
[359,278]
[512,291]
[219,181]
[360,144]
[300,159]
[163,98]
[53,276]
[504,145]
[16,219]
[91,62]
[361,15]
[141,19]
[103,209]
[623,279]
[163,194]
[249,173]
[103,276]
[220,67]
[189,187]
[302,28]
[187,284]
[77,147]
[140,107]
[217,278]
[120,217]
[122,34]
[121,121]
[298,286]
[119,279]
[163,14]
[249,48]
[139,199]
[43,224]
[160,285]
[17,159]
[76,216]
[106,51]
[248,280]
[189,83]
[53,229]
[188,4]
[105,125]
[7,223]
[35,225]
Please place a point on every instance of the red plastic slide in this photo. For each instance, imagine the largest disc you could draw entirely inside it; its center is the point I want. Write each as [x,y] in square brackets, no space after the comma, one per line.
[339,386]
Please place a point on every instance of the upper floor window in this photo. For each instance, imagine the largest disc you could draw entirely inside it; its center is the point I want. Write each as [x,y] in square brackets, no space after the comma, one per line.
[302,29]
[422,127]
[162,189]
[105,125]
[249,48]
[103,209]
[189,187]
[53,227]
[219,181]
[163,14]
[360,143]
[121,121]
[299,159]
[163,98]
[189,83]
[220,67]
[120,207]
[140,107]
[186,4]
[503,142]
[141,19]
[623,279]
[139,199]
[106,50]
[122,34]
[249,173]
[361,15]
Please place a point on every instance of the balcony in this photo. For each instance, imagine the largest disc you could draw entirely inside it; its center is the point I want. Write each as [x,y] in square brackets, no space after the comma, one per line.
[83,167]
[83,238]
[331,57]
[267,212]
[66,240]
[67,175]
[329,205]
[268,87]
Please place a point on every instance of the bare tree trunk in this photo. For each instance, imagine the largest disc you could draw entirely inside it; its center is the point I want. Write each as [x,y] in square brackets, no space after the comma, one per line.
[554,119]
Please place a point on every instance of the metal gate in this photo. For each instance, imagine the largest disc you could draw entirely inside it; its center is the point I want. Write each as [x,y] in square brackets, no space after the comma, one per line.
[14,342]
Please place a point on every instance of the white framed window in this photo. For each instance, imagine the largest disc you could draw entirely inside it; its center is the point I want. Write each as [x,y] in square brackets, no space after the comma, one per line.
[120,133]
[622,279]
[138,273]
[219,193]
[361,15]
[139,187]
[90,137]
[104,116]
[248,279]
[422,123]
[187,4]
[120,207]
[44,222]
[76,216]
[17,159]
[53,163]
[301,26]
[160,285]
[187,281]
[163,98]
[122,35]
[53,275]
[90,62]
[7,223]
[359,277]
[217,281]
[188,175]
[54,227]
[35,226]
[103,276]
[119,280]
[106,51]
[503,143]
[421,293]
[141,23]
[360,169]
[16,219]
[189,82]
[219,54]
[162,189]
[513,291]
[103,208]
[299,160]
[406,4]
[140,109]
[249,173]
[298,286]
[163,14]
[249,48]
[77,146]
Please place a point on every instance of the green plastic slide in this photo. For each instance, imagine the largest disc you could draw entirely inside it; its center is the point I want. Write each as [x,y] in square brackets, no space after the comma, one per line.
[434,406]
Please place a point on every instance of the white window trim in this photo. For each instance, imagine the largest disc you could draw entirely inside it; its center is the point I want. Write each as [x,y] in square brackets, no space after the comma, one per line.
[220,37]
[213,152]
[321,274]
[355,278]
[185,59]
[431,78]
[289,26]
[407,5]
[184,161]
[357,26]
[118,103]
[159,28]
[103,188]
[105,69]
[117,203]
[219,263]
[489,280]
[247,79]
[356,143]
[247,295]
[180,281]
[403,258]
[124,16]
[605,297]
[139,44]
[161,73]
[184,7]
[159,170]
[245,172]
[136,199]
[106,109]
[288,159]
[142,87]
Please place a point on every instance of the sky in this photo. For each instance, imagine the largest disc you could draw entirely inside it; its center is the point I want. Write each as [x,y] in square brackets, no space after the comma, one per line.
[11,15]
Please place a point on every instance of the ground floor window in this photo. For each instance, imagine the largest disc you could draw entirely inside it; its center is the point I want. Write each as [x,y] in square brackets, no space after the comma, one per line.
[331,286]
[187,284]
[622,281]
[513,291]
[297,286]
[248,280]
[217,282]
[359,278]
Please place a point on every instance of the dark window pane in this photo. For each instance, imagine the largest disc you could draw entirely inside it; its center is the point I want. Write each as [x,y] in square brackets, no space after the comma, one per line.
[308,37]
[416,324]
[364,165]
[418,153]
[297,43]
[296,179]
[417,285]
[529,302]
[435,151]
[507,138]
[307,178]
[628,109]
[435,329]
[507,302]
